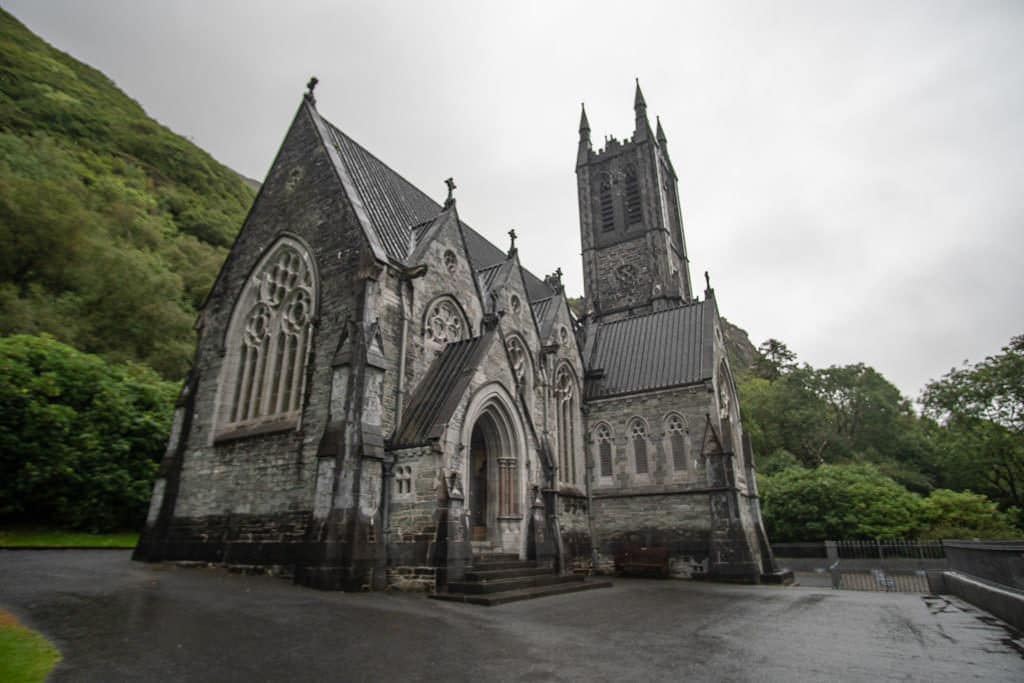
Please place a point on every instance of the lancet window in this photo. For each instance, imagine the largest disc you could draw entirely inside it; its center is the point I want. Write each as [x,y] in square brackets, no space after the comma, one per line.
[634,214]
[678,437]
[638,439]
[565,397]
[603,437]
[269,338]
[607,207]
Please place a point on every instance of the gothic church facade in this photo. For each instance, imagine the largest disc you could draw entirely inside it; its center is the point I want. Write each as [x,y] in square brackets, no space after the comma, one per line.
[380,396]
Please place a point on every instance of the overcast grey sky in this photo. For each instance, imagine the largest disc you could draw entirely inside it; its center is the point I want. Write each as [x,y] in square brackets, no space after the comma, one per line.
[850,173]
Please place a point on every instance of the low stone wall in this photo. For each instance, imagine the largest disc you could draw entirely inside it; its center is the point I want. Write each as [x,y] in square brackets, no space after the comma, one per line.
[1003,602]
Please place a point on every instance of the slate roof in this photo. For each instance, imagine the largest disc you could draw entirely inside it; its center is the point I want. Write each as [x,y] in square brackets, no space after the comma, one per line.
[392,202]
[439,392]
[543,313]
[655,351]
[486,276]
[396,208]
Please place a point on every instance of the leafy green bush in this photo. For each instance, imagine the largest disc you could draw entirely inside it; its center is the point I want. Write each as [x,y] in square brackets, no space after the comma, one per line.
[837,502]
[80,438]
[963,514]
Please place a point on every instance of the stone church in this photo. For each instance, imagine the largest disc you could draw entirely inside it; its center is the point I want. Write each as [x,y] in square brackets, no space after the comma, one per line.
[381,396]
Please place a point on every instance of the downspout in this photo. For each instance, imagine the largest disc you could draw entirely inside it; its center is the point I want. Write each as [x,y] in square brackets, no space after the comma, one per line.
[404,276]
[590,506]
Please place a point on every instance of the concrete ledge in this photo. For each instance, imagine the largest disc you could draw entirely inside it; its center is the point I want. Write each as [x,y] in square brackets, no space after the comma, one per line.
[1004,603]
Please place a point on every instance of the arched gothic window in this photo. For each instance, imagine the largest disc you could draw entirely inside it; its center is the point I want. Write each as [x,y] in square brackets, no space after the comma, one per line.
[634,214]
[638,438]
[606,205]
[443,324]
[603,437]
[677,434]
[268,340]
[565,397]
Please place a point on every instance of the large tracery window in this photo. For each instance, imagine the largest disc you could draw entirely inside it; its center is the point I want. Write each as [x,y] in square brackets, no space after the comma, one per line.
[565,397]
[269,338]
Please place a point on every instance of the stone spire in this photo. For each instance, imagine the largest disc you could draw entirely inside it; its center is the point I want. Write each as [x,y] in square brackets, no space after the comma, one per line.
[643,126]
[583,153]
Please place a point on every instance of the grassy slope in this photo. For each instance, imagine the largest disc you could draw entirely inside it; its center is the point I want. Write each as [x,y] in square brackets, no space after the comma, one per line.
[45,537]
[25,656]
[113,226]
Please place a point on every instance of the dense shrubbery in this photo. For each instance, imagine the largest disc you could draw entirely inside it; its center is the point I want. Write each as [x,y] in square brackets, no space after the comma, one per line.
[113,227]
[80,438]
[845,456]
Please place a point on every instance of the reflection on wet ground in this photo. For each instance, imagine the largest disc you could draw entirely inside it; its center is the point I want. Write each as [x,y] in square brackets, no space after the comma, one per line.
[115,620]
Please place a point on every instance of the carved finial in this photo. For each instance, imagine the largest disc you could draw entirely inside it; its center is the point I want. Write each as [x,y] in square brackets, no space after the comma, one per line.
[309,90]
[707,279]
[554,281]
[451,193]
[512,239]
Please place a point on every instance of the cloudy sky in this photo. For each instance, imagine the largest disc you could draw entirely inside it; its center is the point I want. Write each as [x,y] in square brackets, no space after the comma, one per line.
[852,174]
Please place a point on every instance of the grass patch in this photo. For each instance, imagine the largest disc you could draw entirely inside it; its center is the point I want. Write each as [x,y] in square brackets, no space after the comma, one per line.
[25,656]
[32,536]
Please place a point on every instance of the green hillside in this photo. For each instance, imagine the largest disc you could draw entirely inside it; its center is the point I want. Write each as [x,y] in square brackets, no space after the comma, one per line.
[112,226]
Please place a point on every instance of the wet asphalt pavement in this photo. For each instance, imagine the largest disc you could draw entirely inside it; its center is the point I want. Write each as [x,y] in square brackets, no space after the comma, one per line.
[116,620]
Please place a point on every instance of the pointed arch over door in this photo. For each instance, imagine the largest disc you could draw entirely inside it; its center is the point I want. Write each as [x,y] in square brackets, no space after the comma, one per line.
[496,440]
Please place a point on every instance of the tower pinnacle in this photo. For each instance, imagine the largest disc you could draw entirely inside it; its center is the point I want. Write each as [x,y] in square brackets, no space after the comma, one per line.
[661,133]
[583,152]
[643,126]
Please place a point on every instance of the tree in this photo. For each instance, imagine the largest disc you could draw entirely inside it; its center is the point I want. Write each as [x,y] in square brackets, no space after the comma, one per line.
[836,502]
[963,514]
[981,409]
[774,359]
[80,438]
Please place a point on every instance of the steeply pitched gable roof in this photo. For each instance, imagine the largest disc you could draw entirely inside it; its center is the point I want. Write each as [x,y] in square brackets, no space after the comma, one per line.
[395,207]
[654,351]
[440,391]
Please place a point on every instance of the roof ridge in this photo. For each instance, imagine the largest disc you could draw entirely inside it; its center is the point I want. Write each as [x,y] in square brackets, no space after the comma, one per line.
[651,314]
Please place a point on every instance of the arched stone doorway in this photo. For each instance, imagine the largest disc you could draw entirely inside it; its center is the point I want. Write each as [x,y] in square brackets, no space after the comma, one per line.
[494,492]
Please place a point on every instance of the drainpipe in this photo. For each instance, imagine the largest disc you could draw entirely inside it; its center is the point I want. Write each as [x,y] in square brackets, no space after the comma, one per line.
[590,507]
[406,275]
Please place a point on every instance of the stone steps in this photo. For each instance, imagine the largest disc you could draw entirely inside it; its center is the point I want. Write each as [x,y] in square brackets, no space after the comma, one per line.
[514,583]
[497,579]
[490,599]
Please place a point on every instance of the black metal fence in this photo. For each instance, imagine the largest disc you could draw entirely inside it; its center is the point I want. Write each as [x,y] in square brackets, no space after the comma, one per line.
[863,550]
[890,565]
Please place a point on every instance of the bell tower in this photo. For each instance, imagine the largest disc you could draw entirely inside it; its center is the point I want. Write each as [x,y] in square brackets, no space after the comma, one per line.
[631,227]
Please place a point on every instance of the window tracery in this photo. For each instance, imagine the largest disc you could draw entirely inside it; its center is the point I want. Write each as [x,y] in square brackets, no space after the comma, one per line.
[269,340]
[444,323]
[450,260]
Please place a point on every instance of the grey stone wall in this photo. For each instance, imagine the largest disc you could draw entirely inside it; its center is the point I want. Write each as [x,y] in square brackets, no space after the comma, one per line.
[270,477]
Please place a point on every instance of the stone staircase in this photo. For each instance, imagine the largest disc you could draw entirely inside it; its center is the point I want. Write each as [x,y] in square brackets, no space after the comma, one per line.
[495,579]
